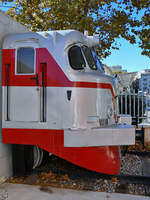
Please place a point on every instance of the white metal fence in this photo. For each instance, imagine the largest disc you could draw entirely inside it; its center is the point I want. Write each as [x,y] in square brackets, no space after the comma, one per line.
[134,104]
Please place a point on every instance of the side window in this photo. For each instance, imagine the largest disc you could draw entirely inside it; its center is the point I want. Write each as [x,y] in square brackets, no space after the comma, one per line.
[76,58]
[25,60]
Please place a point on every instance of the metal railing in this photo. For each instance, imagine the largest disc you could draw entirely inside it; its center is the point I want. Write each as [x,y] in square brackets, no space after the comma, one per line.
[134,104]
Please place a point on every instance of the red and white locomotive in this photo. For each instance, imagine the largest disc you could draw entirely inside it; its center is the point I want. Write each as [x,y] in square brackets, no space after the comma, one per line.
[57,98]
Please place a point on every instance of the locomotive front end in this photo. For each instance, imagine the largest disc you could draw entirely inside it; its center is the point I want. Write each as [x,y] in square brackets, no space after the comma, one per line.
[56,97]
[93,133]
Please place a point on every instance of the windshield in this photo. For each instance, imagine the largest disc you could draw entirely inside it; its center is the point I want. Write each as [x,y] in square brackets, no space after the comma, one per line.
[76,58]
[89,57]
[78,54]
[97,60]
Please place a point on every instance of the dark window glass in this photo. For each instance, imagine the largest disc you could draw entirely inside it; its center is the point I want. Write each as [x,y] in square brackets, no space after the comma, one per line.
[95,56]
[89,57]
[76,58]
[25,60]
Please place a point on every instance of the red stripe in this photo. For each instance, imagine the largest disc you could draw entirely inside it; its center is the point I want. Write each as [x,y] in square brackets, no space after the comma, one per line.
[33,136]
[55,76]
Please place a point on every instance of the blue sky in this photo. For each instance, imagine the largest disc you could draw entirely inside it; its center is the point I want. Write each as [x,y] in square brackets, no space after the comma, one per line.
[128,56]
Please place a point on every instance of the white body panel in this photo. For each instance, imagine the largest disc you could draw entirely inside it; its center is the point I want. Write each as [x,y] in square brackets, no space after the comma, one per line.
[61,113]
[110,136]
[24,104]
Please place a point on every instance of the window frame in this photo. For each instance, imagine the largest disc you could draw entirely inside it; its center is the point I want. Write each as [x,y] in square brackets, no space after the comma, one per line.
[100,69]
[25,45]
[17,60]
[87,67]
[77,45]
[86,58]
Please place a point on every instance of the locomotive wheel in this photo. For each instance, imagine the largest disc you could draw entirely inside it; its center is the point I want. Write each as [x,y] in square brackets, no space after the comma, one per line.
[37,156]
[25,158]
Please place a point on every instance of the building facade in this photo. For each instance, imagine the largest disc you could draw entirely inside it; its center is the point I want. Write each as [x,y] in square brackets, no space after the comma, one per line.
[144,81]
[117,69]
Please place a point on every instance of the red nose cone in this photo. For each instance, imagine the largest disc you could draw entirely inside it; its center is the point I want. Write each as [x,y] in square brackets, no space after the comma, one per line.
[100,159]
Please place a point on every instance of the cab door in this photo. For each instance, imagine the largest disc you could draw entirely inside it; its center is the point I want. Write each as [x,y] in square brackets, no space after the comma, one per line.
[24,84]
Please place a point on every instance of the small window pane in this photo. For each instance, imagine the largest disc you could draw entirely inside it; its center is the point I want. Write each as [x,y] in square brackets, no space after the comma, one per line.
[76,58]
[25,60]
[89,57]
[96,58]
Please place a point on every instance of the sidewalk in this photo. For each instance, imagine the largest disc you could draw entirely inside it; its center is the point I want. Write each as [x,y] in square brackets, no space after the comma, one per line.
[27,192]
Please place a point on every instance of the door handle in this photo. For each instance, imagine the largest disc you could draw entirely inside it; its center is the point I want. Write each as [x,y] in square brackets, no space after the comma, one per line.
[36,78]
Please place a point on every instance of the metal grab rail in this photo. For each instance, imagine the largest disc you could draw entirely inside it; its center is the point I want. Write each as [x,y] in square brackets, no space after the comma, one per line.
[7,80]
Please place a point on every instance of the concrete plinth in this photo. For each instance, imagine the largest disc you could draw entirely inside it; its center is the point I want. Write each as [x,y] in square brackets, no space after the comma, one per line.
[7,26]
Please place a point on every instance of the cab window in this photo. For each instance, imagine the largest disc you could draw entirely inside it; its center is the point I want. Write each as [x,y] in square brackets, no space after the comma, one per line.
[96,58]
[25,60]
[89,57]
[76,58]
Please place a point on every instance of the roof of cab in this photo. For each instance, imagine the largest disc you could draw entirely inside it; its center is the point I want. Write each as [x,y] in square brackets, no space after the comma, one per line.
[58,37]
